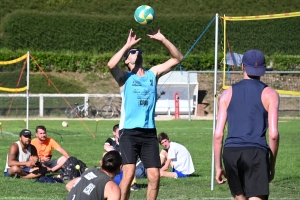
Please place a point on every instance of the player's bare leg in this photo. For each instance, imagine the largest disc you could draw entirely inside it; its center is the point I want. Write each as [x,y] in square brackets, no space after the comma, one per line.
[128,175]
[153,183]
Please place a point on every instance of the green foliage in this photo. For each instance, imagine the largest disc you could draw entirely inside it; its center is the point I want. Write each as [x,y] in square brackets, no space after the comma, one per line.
[270,36]
[196,135]
[86,33]
[81,36]
[179,7]
[286,63]
[88,62]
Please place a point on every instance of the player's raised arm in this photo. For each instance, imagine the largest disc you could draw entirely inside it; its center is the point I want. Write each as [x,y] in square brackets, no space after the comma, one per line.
[176,56]
[119,74]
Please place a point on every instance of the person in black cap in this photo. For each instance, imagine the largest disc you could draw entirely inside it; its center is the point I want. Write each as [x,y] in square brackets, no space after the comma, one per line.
[250,107]
[22,160]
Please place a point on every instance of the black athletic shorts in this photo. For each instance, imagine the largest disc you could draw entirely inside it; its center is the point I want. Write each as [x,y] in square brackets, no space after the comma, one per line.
[247,170]
[139,142]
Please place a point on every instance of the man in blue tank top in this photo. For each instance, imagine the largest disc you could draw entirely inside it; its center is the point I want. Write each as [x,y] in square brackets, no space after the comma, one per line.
[138,89]
[250,107]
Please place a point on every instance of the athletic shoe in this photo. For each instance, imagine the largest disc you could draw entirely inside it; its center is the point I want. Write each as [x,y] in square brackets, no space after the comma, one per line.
[134,187]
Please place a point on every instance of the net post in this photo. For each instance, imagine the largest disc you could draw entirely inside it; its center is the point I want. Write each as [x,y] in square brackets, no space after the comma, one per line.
[27,90]
[215,103]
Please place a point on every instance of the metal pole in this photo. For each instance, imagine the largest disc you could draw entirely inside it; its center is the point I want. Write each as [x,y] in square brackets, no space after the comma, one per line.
[215,102]
[189,103]
[27,91]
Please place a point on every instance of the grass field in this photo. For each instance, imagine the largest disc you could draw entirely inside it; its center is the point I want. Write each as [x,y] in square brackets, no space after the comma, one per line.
[195,135]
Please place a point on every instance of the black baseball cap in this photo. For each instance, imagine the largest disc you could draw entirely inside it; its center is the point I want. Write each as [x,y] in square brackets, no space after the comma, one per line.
[25,132]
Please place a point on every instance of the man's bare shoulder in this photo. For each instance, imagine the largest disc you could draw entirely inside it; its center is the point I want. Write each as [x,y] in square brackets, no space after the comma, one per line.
[13,150]
[112,190]
[269,92]
[14,146]
[226,94]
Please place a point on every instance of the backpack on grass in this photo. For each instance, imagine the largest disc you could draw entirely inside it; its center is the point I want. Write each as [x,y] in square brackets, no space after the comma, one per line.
[68,171]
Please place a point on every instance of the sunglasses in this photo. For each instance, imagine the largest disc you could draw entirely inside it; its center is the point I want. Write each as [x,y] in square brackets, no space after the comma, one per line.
[133,51]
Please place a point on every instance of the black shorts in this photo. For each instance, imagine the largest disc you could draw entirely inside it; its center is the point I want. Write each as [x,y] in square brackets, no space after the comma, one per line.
[139,142]
[247,170]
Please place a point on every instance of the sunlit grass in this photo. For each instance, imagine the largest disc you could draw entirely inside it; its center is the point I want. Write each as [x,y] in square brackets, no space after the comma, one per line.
[195,135]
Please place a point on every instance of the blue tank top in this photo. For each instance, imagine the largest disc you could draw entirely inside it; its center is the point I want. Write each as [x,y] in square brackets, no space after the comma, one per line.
[138,101]
[247,117]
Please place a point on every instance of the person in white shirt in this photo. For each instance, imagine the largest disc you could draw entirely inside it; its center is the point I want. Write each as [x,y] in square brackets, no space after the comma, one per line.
[175,155]
[22,160]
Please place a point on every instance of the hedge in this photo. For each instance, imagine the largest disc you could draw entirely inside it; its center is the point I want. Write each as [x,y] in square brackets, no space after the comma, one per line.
[72,42]
[56,32]
[84,62]
[98,34]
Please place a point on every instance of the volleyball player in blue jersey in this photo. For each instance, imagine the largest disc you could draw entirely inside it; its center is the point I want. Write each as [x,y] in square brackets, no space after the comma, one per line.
[138,88]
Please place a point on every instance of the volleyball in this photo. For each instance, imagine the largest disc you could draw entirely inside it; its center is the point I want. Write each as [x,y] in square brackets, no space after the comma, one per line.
[64,124]
[144,15]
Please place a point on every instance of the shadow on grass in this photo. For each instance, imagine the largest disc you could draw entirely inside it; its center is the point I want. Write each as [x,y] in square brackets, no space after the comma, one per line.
[161,184]
[143,185]
[194,175]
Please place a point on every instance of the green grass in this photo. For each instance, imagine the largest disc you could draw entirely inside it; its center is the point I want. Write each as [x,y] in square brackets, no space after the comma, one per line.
[195,135]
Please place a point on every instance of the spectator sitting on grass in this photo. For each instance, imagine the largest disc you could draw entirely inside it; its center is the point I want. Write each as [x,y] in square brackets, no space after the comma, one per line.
[176,156]
[44,146]
[22,160]
[113,144]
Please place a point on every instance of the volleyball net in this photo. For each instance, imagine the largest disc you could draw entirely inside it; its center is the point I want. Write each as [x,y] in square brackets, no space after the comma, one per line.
[275,35]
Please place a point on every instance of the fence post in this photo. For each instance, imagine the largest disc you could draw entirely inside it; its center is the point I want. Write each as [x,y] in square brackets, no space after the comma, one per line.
[41,105]
[176,99]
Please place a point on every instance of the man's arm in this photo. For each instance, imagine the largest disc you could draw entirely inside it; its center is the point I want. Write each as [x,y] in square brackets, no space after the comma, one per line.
[63,152]
[112,191]
[119,74]
[219,134]
[108,145]
[166,165]
[176,56]
[12,155]
[271,103]
[71,183]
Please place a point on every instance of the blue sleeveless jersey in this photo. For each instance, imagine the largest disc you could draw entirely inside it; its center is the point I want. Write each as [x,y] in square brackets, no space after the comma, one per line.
[247,117]
[138,101]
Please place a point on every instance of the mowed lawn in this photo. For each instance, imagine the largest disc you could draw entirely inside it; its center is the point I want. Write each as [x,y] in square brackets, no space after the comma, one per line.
[196,135]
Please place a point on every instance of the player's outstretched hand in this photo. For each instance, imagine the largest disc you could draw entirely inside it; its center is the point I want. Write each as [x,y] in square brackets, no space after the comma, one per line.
[156,34]
[131,40]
